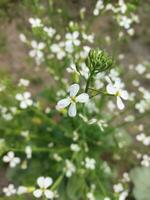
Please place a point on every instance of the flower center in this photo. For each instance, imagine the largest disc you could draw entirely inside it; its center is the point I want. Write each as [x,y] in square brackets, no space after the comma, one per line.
[73,99]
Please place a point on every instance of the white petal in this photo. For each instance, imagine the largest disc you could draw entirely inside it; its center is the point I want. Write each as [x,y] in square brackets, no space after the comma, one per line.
[41,45]
[63,103]
[23,105]
[77,42]
[47,182]
[34,44]
[111,89]
[83,98]
[16,160]
[11,154]
[124,94]
[75,34]
[49,194]
[72,110]
[6,159]
[73,89]
[29,102]
[26,95]
[40,181]
[120,104]
[19,97]
[37,193]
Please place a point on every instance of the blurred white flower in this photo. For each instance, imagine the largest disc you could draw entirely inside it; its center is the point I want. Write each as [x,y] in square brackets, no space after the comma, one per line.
[90,196]
[10,190]
[75,147]
[124,21]
[36,52]
[71,41]
[23,82]
[44,183]
[24,99]
[58,49]
[116,89]
[69,168]
[21,190]
[90,163]
[35,22]
[118,188]
[99,6]
[28,151]
[145,160]
[50,31]
[72,100]
[140,69]
[23,37]
[11,159]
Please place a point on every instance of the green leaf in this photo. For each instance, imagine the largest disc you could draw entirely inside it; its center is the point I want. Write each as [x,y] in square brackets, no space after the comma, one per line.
[141,180]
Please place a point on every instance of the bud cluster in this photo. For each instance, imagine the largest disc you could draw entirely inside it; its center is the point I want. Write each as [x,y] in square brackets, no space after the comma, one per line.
[99,61]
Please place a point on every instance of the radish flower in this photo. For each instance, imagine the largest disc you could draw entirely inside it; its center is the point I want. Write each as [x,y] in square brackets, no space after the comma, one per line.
[72,99]
[116,89]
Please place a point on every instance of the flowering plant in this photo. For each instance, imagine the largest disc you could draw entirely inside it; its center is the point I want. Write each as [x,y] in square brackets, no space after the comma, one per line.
[72,139]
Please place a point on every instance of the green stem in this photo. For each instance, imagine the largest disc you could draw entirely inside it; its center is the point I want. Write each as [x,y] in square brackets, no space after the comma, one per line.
[57,182]
[88,81]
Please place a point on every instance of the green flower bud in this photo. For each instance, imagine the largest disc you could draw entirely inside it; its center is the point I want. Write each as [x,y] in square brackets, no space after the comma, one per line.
[99,61]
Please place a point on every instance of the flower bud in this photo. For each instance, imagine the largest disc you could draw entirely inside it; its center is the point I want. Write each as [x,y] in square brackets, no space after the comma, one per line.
[99,61]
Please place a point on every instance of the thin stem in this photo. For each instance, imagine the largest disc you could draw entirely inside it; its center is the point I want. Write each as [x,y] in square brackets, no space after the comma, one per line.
[88,81]
[57,182]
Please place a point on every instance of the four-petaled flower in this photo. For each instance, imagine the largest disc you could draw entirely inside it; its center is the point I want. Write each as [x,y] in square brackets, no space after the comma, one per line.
[116,89]
[72,100]
[24,99]
[44,183]
[11,159]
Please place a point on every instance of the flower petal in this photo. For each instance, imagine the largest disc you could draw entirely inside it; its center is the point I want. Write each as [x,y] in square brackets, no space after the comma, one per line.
[111,89]
[72,110]
[63,103]
[37,193]
[47,182]
[40,181]
[49,194]
[73,89]
[82,98]
[124,94]
[120,104]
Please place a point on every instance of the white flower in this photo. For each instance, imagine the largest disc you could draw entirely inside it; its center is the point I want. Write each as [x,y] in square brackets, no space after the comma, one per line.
[28,151]
[50,31]
[118,188]
[124,21]
[23,37]
[58,50]
[44,183]
[90,163]
[99,6]
[115,89]
[71,41]
[75,147]
[145,160]
[36,52]
[140,69]
[90,196]
[23,82]
[11,159]
[10,190]
[35,22]
[69,168]
[24,99]
[72,100]
[123,195]
[22,190]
